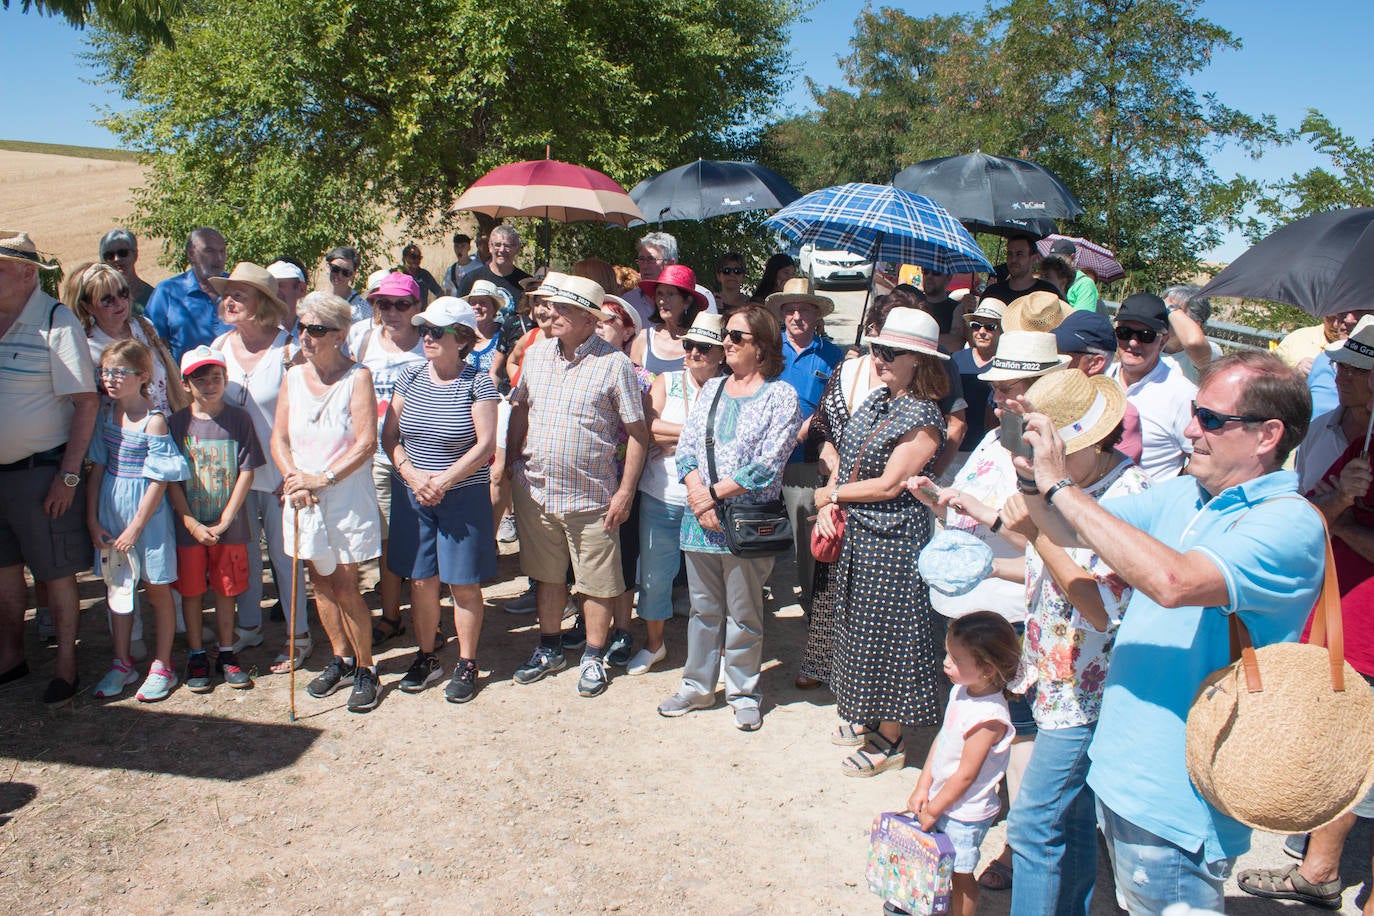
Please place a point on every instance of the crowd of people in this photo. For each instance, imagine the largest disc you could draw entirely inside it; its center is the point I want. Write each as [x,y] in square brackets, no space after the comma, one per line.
[1044,513]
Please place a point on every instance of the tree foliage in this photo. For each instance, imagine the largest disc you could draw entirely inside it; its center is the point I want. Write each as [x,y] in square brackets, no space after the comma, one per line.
[147,18]
[299,124]
[1096,90]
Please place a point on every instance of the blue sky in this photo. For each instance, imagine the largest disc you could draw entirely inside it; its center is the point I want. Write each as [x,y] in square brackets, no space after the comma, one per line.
[1290,61]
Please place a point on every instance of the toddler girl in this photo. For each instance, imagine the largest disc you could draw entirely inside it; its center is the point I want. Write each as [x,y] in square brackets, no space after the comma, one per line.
[130,521]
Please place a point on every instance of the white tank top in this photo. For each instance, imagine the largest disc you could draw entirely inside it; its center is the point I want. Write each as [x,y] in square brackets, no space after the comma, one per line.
[660,478]
[321,426]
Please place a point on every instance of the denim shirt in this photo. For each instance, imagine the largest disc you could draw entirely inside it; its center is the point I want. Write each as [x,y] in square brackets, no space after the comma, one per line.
[184,315]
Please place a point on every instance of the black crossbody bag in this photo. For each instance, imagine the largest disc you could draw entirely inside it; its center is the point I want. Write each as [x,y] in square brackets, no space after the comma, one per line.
[751,529]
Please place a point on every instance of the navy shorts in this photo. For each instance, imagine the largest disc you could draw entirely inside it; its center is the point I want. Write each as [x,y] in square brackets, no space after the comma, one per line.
[454,540]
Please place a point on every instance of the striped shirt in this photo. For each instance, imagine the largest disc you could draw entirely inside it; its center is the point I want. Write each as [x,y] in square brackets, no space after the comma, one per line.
[39,371]
[436,419]
[576,409]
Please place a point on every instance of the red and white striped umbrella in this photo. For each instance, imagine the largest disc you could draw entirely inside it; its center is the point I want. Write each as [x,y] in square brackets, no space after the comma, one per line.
[552,190]
[1091,256]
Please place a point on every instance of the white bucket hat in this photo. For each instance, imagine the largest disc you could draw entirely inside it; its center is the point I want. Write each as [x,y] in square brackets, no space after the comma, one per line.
[1357,350]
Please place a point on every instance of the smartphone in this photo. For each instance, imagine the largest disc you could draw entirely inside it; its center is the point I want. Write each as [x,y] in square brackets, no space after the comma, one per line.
[1012,434]
[930,491]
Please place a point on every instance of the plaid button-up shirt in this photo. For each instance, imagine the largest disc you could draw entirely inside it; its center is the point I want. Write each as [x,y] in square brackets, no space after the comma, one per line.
[576,410]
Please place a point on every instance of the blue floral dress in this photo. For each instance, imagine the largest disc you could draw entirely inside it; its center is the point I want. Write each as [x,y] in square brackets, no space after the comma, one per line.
[132,458]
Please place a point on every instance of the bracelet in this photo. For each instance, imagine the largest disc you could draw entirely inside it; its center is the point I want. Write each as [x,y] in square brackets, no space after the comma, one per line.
[1050,493]
[997,523]
[835,494]
[1026,485]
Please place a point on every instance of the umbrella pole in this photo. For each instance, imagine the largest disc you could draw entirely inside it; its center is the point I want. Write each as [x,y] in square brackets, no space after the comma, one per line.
[868,293]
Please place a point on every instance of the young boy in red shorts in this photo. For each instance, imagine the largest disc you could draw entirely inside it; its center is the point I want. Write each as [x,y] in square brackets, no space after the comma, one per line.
[222,449]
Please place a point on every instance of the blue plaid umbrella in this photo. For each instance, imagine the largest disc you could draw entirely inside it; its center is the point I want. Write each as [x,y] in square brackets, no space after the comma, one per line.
[883,224]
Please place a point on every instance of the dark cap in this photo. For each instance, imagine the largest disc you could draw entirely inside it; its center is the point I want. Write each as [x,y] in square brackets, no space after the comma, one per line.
[115,238]
[1063,248]
[1145,308]
[1085,329]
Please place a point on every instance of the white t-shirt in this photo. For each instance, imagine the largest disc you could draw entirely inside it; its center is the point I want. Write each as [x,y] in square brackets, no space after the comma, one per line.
[964,714]
[660,479]
[39,371]
[385,364]
[1163,399]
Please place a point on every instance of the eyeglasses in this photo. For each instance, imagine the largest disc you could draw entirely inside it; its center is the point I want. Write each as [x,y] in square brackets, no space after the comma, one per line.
[887,354]
[117,253]
[738,337]
[116,373]
[700,346]
[314,330]
[111,300]
[386,305]
[336,271]
[430,332]
[1212,421]
[646,259]
[984,326]
[1144,335]
[732,270]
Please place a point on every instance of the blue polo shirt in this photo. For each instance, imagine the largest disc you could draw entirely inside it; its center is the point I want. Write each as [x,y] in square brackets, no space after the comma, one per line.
[807,370]
[183,314]
[1321,382]
[1272,558]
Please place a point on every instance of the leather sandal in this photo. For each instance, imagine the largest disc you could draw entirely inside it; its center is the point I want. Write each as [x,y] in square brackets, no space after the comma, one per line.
[384,629]
[996,877]
[1289,884]
[847,734]
[876,756]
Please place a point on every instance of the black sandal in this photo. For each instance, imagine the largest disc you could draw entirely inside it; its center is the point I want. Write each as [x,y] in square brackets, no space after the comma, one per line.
[876,756]
[386,629]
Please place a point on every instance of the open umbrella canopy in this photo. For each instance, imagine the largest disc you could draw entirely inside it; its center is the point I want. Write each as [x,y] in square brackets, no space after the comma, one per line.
[991,191]
[1037,227]
[707,188]
[1322,264]
[883,224]
[1090,256]
[550,189]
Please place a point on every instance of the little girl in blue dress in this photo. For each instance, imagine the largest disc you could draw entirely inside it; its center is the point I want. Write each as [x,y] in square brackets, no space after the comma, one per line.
[129,517]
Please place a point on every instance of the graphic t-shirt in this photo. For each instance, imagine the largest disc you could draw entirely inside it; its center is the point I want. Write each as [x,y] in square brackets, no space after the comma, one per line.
[217,449]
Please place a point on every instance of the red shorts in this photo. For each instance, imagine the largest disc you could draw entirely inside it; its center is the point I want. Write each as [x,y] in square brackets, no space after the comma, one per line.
[222,568]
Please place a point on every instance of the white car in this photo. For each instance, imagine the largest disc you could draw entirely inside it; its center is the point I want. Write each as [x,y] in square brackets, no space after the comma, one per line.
[834,268]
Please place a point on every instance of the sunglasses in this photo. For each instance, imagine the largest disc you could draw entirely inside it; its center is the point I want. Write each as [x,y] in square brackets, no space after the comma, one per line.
[431,332]
[991,327]
[113,299]
[888,354]
[732,270]
[701,347]
[738,337]
[314,330]
[1144,335]
[386,305]
[116,373]
[119,253]
[339,271]
[1212,421]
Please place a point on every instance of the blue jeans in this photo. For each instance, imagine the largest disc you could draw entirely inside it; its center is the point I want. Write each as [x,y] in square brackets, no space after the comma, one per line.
[1052,828]
[1151,873]
[660,524]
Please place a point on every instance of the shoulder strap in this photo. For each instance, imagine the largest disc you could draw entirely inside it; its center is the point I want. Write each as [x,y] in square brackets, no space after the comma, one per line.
[711,434]
[362,346]
[52,312]
[858,457]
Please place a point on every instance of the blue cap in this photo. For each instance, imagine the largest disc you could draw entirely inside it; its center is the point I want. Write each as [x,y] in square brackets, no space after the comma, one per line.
[1085,329]
[954,562]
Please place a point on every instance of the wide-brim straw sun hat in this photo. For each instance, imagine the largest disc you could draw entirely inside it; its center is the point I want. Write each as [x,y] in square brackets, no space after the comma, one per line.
[18,247]
[1037,311]
[912,330]
[1024,354]
[798,289]
[707,328]
[549,285]
[249,274]
[1083,409]
[582,293]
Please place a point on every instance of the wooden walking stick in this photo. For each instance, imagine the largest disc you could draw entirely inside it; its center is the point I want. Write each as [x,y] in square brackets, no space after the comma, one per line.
[291,626]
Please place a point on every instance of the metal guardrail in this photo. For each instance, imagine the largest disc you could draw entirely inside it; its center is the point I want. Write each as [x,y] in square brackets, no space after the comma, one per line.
[1226,335]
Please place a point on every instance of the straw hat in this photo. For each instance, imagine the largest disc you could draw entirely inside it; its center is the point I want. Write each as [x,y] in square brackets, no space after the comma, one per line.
[1084,409]
[909,329]
[679,276]
[1357,350]
[630,310]
[1024,354]
[550,284]
[798,289]
[249,275]
[580,292]
[707,328]
[988,309]
[484,288]
[18,247]
[1037,311]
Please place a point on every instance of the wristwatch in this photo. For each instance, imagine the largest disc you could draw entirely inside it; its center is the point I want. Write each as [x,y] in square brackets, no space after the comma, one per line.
[71,480]
[329,476]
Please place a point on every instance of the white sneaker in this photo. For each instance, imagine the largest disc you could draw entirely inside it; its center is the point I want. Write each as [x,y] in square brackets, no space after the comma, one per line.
[644,660]
[506,533]
[526,603]
[247,638]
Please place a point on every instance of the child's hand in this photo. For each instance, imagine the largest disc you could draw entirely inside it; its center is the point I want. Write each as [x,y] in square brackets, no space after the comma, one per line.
[100,537]
[206,537]
[927,821]
[918,800]
[127,540]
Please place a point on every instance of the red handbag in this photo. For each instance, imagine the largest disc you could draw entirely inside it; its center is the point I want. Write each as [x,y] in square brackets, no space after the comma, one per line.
[826,548]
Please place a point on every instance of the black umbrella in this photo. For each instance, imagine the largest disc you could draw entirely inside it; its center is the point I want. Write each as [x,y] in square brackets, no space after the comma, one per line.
[1323,264]
[707,188]
[1037,227]
[992,193]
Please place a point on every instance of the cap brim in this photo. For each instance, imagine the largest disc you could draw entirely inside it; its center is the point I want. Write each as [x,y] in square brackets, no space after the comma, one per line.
[202,363]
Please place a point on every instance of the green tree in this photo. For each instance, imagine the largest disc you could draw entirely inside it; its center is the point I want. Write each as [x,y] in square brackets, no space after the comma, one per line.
[1096,90]
[148,18]
[297,124]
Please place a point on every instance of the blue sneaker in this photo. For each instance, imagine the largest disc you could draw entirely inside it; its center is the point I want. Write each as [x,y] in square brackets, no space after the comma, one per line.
[160,682]
[115,680]
[542,663]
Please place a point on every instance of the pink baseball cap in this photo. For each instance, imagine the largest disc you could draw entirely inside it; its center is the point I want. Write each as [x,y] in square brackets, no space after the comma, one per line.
[397,284]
